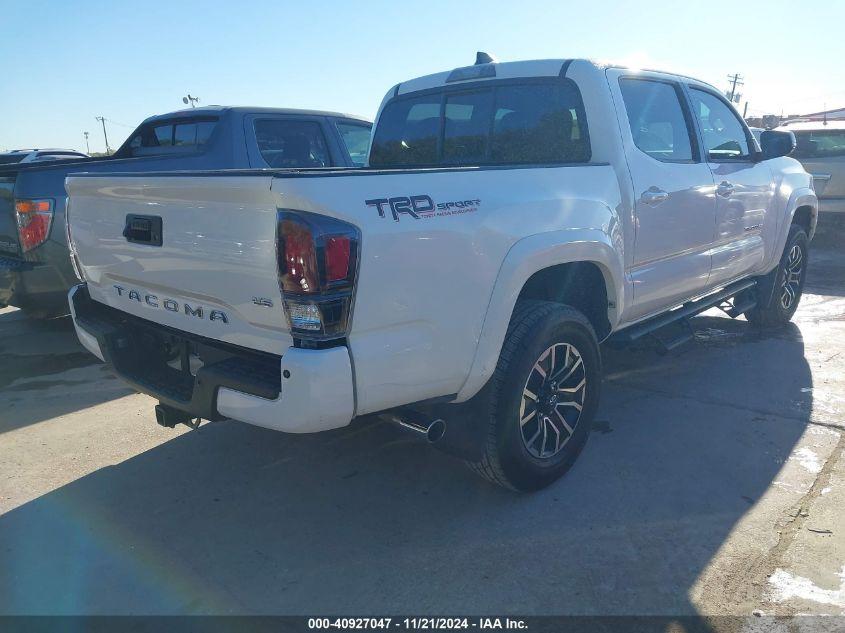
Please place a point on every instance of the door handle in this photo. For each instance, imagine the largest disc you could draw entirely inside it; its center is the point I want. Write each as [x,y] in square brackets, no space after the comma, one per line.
[725,189]
[654,196]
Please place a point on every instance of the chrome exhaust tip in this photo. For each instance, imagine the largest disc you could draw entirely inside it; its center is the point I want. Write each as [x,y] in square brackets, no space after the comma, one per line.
[436,430]
[432,429]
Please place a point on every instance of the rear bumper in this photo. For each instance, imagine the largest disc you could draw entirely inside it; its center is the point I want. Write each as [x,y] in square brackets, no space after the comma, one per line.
[33,285]
[303,391]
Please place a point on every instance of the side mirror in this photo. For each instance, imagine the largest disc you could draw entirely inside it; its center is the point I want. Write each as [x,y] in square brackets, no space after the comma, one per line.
[775,144]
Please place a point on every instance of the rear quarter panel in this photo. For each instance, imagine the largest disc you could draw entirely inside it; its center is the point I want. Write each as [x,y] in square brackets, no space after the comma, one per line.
[425,285]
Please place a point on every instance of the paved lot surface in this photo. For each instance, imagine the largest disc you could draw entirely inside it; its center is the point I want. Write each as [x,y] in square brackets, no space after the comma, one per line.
[713,485]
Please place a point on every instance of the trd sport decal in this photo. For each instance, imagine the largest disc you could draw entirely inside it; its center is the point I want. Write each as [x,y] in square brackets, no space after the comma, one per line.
[421,207]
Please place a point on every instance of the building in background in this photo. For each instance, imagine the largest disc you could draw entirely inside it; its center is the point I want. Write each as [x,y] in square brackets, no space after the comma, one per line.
[769,121]
[830,115]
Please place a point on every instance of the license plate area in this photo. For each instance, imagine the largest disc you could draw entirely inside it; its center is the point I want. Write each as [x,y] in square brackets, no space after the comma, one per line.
[184,357]
[150,357]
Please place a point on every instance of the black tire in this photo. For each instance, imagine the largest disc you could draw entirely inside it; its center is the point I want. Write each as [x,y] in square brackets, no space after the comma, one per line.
[776,305]
[536,327]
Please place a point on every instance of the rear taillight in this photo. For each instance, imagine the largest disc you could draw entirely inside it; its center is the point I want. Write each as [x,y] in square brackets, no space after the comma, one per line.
[34,218]
[318,259]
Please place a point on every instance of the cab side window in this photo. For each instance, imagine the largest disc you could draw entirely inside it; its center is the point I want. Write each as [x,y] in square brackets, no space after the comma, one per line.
[658,125]
[356,139]
[724,135]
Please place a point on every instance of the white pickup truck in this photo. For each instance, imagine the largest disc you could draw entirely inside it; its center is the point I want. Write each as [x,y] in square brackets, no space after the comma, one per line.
[512,217]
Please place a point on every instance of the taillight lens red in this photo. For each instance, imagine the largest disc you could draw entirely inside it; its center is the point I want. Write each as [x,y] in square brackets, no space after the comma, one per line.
[337,258]
[317,264]
[34,218]
[300,273]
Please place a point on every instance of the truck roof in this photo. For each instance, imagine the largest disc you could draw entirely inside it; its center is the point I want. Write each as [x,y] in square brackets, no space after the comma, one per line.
[219,109]
[517,70]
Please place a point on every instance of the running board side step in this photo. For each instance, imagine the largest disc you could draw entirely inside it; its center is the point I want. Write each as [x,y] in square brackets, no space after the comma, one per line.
[692,308]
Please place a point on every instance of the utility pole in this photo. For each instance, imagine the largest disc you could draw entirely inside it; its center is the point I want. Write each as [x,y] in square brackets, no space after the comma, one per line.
[736,80]
[87,147]
[102,120]
[745,110]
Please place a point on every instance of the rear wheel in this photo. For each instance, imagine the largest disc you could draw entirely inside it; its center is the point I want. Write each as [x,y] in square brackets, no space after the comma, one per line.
[779,292]
[542,398]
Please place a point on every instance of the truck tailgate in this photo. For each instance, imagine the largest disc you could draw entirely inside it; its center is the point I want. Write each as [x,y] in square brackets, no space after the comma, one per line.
[214,272]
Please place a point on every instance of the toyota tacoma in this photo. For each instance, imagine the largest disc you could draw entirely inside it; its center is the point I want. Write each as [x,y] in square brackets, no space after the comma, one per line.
[512,216]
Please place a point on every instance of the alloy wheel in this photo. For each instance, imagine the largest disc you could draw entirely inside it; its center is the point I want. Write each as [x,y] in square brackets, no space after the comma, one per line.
[552,400]
[791,285]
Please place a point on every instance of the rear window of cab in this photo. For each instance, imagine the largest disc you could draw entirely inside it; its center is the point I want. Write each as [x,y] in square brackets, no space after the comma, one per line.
[493,123]
[181,136]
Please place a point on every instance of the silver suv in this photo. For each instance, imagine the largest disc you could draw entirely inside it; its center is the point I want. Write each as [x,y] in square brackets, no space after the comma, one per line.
[821,149]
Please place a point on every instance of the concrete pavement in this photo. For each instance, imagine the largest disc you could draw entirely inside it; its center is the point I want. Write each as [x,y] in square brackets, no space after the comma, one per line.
[713,484]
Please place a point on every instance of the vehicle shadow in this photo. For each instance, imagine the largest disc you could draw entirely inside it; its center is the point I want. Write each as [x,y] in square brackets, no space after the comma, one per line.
[238,520]
[43,358]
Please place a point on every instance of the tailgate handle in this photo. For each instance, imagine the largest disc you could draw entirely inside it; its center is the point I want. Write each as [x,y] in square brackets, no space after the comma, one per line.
[143,229]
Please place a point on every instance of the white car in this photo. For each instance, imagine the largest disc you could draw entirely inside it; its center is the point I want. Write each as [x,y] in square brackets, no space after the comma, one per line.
[24,156]
[512,217]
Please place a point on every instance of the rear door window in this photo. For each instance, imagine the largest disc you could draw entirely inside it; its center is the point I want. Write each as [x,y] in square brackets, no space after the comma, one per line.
[499,124]
[356,139]
[291,143]
[656,119]
[819,144]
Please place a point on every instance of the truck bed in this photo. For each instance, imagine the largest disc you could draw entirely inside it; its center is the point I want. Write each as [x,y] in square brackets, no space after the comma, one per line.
[415,274]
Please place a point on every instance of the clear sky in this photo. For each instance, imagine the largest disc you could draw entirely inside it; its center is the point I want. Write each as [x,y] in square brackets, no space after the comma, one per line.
[63,63]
